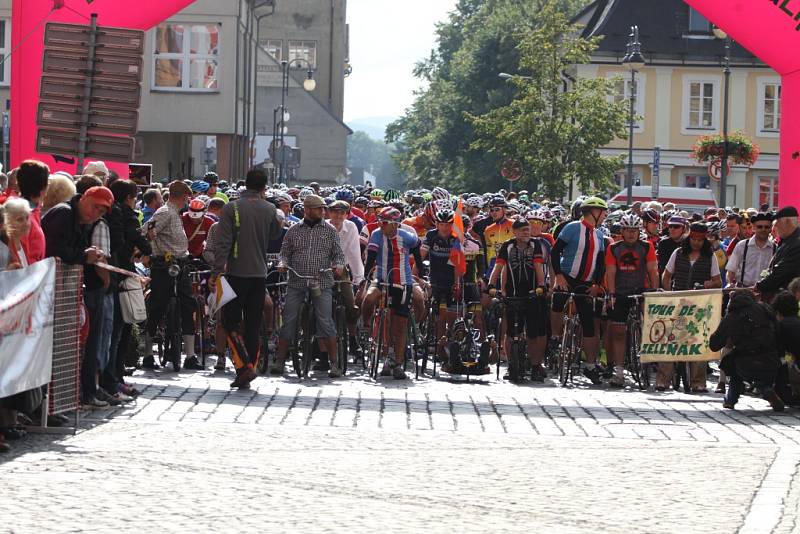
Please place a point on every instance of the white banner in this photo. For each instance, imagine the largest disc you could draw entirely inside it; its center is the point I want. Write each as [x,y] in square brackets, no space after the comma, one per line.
[26,327]
[677,325]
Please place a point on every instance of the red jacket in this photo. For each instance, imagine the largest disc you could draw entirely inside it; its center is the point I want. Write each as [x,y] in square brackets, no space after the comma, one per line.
[196,233]
[34,244]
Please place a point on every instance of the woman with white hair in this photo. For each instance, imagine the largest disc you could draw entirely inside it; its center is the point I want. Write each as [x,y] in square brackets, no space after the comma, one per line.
[60,189]
[16,224]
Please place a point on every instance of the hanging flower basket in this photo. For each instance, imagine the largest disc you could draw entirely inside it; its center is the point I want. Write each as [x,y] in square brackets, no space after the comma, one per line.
[741,149]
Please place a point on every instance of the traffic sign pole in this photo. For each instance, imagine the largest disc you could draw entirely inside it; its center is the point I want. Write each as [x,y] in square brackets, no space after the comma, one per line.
[83,140]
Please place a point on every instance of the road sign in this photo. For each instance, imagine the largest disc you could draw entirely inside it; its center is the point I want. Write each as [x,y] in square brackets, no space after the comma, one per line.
[98,146]
[656,179]
[120,41]
[107,91]
[68,61]
[70,116]
[511,170]
[715,170]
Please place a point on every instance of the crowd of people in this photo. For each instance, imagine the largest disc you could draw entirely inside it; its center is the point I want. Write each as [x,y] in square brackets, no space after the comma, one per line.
[427,250]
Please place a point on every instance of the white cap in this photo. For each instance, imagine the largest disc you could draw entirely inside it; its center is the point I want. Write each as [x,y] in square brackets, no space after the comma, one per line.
[95,167]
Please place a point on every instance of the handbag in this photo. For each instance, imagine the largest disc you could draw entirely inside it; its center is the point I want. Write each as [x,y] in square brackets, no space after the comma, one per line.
[131,301]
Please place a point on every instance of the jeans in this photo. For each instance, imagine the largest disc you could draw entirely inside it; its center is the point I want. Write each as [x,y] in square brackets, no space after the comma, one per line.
[247,307]
[162,287]
[736,388]
[106,330]
[94,300]
[111,376]
[323,313]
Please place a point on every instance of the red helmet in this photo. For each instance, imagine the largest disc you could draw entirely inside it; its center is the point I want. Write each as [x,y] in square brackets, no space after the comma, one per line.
[390,214]
[196,209]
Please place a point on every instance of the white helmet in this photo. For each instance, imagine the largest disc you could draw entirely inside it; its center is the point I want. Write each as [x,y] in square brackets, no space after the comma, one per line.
[630,220]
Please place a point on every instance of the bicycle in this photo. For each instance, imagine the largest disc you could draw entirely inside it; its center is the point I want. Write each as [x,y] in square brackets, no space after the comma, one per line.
[633,342]
[569,355]
[380,326]
[301,359]
[342,332]
[518,342]
[168,334]
[277,292]
[200,319]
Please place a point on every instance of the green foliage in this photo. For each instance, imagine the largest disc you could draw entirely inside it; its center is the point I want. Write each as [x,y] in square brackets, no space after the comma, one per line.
[555,133]
[376,157]
[436,136]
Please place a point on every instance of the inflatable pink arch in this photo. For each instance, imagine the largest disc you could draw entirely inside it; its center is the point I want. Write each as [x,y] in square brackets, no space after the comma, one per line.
[770,29]
[27,24]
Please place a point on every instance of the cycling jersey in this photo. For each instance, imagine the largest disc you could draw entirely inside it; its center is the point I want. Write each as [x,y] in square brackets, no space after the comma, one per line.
[438,247]
[196,233]
[474,256]
[494,237]
[631,262]
[520,261]
[393,256]
[578,252]
[418,224]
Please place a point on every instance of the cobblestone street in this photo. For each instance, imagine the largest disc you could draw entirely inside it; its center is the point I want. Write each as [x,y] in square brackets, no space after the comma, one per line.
[358,456]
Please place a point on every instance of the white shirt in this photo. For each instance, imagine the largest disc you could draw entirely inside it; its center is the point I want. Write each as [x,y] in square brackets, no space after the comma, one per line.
[673,258]
[351,246]
[758,259]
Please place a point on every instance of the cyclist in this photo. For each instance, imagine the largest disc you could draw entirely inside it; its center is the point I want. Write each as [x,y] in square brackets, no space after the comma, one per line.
[437,246]
[425,221]
[472,279]
[631,266]
[577,262]
[348,235]
[170,246]
[497,233]
[521,264]
[196,224]
[676,228]
[308,248]
[212,179]
[389,250]
[651,220]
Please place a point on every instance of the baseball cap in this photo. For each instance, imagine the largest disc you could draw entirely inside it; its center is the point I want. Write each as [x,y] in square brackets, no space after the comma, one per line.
[101,195]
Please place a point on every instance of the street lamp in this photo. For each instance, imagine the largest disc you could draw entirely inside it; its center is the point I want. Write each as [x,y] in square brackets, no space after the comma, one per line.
[633,60]
[719,33]
[281,115]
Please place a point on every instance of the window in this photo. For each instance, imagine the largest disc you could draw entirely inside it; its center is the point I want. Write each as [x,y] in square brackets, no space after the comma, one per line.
[700,181]
[303,50]
[622,93]
[768,191]
[621,177]
[769,107]
[186,57]
[5,48]
[700,105]
[698,23]
[274,48]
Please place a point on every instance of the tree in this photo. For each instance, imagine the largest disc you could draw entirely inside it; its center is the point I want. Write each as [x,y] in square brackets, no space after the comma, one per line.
[376,157]
[435,137]
[555,133]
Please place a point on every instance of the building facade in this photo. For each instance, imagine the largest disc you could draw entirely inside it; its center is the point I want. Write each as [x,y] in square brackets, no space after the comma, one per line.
[311,37]
[679,93]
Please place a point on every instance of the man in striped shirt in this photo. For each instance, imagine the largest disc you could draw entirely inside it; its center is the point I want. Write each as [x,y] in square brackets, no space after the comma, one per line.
[577,262]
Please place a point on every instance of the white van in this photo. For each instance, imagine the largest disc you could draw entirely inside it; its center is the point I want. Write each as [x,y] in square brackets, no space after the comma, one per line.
[690,199]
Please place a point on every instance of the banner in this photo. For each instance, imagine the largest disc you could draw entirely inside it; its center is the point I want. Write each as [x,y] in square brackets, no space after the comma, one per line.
[26,327]
[677,325]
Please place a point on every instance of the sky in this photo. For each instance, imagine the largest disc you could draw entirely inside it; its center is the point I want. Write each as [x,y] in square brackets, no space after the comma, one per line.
[387,37]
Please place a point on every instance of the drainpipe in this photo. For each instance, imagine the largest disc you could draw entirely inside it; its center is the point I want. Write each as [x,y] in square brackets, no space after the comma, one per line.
[248,36]
[330,60]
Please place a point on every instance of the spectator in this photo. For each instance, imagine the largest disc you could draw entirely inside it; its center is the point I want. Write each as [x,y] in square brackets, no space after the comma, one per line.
[152,200]
[11,189]
[60,189]
[87,181]
[676,228]
[215,206]
[16,225]
[751,331]
[752,256]
[788,381]
[786,263]
[32,179]
[97,168]
[67,226]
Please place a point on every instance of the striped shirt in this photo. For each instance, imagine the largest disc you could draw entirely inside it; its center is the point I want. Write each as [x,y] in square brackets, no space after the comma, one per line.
[583,246]
[170,235]
[310,248]
[394,255]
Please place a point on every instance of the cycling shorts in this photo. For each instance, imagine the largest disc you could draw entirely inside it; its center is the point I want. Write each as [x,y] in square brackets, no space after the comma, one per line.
[528,314]
[443,297]
[587,310]
[399,300]
[622,308]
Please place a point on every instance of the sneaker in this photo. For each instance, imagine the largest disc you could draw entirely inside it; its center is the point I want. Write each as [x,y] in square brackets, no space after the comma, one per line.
[388,367]
[192,364]
[244,377]
[322,364]
[538,373]
[617,381]
[775,401]
[150,363]
[593,374]
[278,368]
[728,405]
[398,373]
[122,397]
[129,390]
[334,372]
[104,396]
[94,403]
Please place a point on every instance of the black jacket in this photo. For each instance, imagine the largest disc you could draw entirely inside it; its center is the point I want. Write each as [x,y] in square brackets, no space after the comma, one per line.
[126,235]
[785,265]
[65,236]
[752,330]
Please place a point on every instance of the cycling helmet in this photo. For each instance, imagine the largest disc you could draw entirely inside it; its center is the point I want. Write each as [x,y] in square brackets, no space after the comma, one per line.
[197,209]
[467,220]
[497,202]
[594,203]
[390,214]
[444,215]
[283,198]
[535,215]
[305,192]
[440,193]
[199,186]
[233,193]
[211,178]
[346,195]
[430,211]
[474,202]
[376,203]
[391,194]
[513,208]
[361,201]
[376,194]
[298,210]
[630,220]
[650,215]
[575,209]
[426,196]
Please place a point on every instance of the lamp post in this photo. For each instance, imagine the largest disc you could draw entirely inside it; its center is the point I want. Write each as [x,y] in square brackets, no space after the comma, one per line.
[633,60]
[723,172]
[281,115]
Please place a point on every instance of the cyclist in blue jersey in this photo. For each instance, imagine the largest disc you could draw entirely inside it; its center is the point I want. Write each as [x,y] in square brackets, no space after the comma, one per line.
[578,263]
[389,251]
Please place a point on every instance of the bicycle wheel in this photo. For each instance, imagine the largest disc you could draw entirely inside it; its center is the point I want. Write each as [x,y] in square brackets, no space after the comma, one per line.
[307,345]
[429,347]
[378,343]
[341,339]
[200,318]
[635,366]
[515,360]
[566,354]
[298,333]
[172,349]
